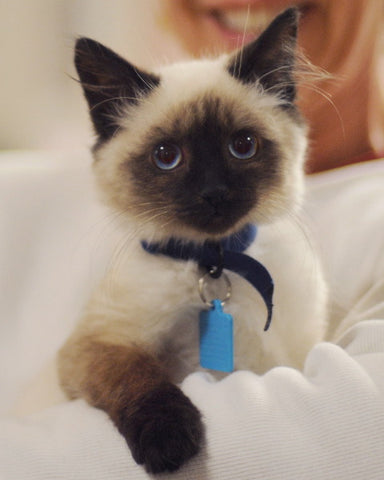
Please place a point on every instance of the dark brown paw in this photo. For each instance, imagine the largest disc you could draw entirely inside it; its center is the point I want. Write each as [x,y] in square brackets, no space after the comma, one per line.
[164,431]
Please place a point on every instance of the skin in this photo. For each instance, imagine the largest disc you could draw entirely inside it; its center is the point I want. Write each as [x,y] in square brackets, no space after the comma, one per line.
[346,112]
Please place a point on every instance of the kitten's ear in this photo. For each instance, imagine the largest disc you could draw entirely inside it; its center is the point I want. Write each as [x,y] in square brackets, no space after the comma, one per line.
[108,82]
[270,59]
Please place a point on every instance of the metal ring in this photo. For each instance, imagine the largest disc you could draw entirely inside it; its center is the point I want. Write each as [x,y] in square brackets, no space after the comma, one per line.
[202,286]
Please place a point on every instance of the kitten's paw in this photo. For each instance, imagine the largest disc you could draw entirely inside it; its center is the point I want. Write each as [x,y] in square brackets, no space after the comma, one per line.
[164,431]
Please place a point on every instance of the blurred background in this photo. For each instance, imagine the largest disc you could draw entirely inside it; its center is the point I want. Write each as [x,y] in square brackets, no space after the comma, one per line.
[41,106]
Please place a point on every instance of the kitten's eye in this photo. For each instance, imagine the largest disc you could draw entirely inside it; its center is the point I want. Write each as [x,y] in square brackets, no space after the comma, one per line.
[243,145]
[167,156]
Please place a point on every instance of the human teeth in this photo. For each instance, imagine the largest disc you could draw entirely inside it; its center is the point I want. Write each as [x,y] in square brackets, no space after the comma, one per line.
[244,20]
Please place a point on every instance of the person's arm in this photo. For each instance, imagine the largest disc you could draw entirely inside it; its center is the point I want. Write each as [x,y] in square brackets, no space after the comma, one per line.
[327,422]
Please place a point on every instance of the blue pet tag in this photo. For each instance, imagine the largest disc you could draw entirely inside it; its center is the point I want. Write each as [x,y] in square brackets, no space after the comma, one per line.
[216,338]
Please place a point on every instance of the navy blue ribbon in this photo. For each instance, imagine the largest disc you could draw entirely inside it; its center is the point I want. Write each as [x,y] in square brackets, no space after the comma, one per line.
[226,254]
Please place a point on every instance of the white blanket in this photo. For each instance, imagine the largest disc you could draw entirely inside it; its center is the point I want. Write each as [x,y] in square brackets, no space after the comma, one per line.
[324,422]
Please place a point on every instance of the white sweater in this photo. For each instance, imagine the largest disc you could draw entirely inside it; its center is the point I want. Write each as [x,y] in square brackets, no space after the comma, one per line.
[326,422]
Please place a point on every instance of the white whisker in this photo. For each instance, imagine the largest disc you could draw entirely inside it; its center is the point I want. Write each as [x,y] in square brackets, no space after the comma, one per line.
[243,41]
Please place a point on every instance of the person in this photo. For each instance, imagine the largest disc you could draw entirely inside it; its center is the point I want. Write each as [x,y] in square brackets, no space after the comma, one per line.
[325,422]
[343,38]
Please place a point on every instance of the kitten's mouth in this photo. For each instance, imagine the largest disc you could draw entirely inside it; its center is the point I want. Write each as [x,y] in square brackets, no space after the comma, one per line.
[216,221]
[216,224]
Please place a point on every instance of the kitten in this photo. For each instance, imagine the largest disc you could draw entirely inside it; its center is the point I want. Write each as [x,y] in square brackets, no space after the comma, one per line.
[192,156]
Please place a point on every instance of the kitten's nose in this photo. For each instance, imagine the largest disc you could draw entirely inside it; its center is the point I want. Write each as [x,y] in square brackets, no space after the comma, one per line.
[214,195]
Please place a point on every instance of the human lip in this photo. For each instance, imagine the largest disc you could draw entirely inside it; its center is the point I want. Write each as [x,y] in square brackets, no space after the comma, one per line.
[244,20]
[244,17]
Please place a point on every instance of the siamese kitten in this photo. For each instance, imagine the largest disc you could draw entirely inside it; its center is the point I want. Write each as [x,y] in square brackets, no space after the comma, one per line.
[192,156]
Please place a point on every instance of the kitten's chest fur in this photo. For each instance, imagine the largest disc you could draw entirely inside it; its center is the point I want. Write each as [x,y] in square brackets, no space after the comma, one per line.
[163,294]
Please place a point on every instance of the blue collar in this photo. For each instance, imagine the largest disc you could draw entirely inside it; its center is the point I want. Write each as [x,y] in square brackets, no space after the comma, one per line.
[226,254]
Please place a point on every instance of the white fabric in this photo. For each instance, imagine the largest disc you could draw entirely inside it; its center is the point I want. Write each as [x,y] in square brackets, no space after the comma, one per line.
[326,422]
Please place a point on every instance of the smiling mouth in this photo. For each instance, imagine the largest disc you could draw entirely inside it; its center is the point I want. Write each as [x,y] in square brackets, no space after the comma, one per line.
[240,21]
[247,21]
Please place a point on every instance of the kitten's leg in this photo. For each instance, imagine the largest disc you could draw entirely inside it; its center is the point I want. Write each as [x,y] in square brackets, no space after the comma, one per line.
[160,424]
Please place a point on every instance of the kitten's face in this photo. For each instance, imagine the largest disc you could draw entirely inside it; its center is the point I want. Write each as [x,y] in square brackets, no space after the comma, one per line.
[200,152]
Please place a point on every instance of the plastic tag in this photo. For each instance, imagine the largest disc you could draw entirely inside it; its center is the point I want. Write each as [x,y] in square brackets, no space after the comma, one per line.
[216,338]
